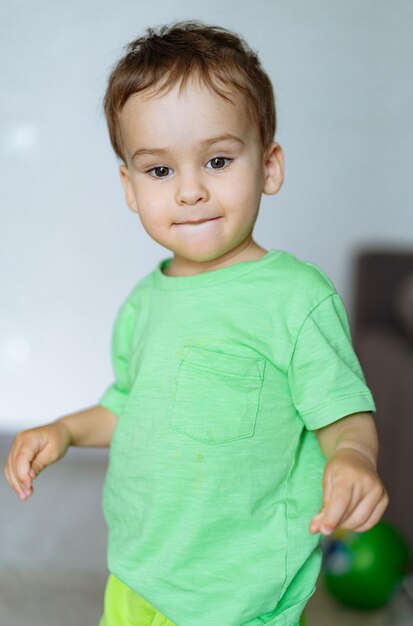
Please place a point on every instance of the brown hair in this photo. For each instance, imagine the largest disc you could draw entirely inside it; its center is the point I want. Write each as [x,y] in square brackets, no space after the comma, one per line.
[178,50]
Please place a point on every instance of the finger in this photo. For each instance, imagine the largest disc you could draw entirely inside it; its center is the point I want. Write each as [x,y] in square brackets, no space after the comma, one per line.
[315,523]
[374,517]
[22,466]
[319,519]
[328,487]
[39,455]
[340,500]
[21,460]
[316,520]
[364,508]
[39,465]
[367,512]
[9,477]
[10,474]
[13,482]
[355,498]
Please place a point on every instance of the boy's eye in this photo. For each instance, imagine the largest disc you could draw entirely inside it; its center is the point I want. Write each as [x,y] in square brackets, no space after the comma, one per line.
[217,162]
[161,169]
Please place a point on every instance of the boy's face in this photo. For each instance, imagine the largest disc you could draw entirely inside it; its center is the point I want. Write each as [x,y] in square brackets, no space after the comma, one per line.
[177,171]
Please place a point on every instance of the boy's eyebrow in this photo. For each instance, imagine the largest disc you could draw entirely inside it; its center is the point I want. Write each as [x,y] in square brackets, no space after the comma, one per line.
[205,142]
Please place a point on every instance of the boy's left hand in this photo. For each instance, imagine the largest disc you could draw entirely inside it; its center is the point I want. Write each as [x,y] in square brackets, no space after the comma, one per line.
[354,497]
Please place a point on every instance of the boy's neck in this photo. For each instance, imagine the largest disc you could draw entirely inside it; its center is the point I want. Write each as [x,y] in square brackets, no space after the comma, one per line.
[245,252]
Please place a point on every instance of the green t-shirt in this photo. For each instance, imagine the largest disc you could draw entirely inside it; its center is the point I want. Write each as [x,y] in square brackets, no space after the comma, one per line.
[214,472]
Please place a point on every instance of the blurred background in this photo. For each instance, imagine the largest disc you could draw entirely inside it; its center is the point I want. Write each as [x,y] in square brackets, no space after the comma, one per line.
[71,250]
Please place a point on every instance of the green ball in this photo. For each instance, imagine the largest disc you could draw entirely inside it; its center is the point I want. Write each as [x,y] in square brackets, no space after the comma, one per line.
[364,570]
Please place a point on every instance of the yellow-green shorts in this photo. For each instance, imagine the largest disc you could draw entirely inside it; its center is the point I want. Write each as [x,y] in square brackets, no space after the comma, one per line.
[124,607]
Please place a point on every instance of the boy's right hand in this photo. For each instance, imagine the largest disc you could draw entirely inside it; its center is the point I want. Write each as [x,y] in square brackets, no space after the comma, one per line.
[31,451]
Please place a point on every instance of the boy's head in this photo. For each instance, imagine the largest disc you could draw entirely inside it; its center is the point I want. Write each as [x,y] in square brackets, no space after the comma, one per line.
[172,93]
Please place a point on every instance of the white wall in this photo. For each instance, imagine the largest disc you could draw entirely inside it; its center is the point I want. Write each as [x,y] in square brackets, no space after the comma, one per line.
[71,250]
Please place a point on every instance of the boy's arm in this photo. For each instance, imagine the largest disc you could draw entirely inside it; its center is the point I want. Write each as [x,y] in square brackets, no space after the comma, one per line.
[92,427]
[354,497]
[35,448]
[356,431]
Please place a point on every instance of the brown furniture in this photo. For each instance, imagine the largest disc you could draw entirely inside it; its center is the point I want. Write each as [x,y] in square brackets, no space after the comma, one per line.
[383,340]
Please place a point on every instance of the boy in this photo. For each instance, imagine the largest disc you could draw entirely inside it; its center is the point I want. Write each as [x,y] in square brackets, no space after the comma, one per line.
[236,379]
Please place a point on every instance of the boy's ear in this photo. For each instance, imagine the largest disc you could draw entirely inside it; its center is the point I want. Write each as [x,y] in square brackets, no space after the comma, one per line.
[273,164]
[129,195]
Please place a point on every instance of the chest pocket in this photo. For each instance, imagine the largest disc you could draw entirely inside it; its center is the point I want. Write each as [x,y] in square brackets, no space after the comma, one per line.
[217,395]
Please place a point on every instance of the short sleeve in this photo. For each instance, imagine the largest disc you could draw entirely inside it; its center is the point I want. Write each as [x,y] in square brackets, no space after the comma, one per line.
[325,377]
[117,393]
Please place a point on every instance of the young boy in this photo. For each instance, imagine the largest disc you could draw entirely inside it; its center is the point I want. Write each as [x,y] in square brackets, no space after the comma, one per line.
[239,408]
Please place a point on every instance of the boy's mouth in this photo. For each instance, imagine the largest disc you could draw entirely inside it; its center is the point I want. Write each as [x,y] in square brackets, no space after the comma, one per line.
[209,219]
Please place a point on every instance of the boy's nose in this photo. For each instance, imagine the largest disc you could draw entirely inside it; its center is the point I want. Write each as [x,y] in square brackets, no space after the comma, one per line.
[190,191]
